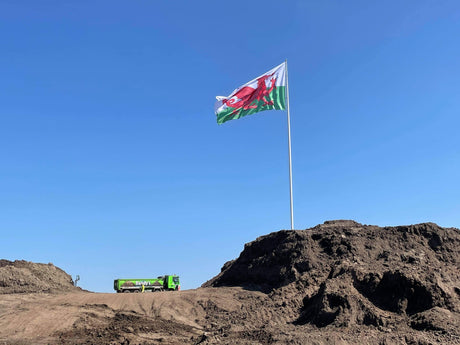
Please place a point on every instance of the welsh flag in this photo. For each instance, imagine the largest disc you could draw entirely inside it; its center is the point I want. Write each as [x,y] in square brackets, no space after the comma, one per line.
[267,92]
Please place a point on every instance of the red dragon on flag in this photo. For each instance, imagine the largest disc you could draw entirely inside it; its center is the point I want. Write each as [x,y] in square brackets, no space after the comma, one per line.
[244,97]
[263,93]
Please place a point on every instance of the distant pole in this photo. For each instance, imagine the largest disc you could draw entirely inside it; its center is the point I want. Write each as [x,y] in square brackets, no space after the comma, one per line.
[289,144]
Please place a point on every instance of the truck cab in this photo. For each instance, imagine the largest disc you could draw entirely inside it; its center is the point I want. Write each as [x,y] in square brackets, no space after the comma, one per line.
[171,282]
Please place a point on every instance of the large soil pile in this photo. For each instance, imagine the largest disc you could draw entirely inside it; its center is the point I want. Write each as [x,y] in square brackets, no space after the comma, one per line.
[23,276]
[353,274]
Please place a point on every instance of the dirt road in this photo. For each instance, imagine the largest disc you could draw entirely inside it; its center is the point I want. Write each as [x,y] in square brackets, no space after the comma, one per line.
[100,318]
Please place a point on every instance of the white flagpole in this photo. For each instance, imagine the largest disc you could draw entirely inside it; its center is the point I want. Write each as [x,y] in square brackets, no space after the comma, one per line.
[289,144]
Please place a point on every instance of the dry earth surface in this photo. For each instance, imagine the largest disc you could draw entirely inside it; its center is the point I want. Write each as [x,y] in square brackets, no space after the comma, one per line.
[340,282]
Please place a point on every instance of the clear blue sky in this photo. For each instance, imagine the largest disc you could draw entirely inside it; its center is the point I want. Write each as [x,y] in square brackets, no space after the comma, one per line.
[112,164]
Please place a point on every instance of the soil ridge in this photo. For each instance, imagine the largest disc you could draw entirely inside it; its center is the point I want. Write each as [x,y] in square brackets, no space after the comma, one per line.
[22,276]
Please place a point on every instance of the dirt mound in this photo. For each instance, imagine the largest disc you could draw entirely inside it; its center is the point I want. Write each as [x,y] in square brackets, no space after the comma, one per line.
[23,276]
[353,274]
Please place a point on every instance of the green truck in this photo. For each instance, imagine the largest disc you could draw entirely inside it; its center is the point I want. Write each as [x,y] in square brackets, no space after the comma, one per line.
[162,283]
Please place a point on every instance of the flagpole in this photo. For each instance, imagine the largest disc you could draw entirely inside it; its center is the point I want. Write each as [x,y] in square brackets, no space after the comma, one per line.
[289,145]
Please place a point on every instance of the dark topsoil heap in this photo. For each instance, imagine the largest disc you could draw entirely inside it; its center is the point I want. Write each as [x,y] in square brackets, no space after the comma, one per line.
[353,274]
[24,277]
